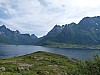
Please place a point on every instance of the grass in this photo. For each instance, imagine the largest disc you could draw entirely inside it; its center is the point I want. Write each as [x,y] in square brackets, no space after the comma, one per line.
[64,45]
[44,63]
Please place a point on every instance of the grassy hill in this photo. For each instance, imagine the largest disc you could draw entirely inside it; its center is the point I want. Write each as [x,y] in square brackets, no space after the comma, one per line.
[44,63]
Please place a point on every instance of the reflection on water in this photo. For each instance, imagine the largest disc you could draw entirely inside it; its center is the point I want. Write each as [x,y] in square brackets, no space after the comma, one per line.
[7,51]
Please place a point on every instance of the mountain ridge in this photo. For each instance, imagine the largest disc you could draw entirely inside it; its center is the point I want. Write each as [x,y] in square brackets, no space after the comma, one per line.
[15,37]
[86,32]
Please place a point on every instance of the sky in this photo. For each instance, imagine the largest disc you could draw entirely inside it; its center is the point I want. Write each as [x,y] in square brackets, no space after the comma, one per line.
[40,16]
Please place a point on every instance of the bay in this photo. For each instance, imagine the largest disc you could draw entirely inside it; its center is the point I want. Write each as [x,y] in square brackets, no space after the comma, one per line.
[7,51]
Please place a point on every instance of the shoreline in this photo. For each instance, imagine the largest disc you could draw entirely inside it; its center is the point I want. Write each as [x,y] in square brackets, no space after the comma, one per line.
[75,48]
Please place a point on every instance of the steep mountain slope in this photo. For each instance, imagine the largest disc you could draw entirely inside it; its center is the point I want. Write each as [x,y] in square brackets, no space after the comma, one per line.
[86,32]
[14,37]
[51,36]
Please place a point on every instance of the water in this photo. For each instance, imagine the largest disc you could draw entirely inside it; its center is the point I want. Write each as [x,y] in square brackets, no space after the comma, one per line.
[7,51]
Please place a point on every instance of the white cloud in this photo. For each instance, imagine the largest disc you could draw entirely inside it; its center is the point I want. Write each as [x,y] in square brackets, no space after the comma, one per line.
[39,16]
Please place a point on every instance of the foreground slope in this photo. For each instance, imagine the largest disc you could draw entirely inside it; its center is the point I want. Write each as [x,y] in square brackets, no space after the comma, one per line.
[44,63]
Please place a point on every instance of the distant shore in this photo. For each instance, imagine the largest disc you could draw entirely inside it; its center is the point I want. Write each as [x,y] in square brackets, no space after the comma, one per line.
[70,46]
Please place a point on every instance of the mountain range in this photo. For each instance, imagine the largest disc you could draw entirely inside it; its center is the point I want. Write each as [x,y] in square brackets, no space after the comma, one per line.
[15,37]
[86,32]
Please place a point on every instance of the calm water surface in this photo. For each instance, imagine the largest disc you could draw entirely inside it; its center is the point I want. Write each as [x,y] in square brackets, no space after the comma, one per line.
[7,51]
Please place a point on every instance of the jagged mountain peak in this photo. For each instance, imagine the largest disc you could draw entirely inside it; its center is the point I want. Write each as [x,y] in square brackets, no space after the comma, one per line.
[57,26]
[3,26]
[86,32]
[17,32]
[14,37]
[73,23]
[34,36]
[90,19]
[55,31]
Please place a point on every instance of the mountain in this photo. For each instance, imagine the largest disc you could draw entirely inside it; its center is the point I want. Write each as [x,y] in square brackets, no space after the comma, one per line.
[15,37]
[86,32]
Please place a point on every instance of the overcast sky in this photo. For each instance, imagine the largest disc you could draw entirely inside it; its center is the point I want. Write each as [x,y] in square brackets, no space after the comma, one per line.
[39,16]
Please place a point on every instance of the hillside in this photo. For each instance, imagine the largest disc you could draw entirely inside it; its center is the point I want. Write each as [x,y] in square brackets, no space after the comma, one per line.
[86,32]
[44,63]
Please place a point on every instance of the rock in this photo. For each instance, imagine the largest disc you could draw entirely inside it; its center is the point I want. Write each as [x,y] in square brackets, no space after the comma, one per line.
[46,72]
[25,65]
[3,69]
[20,69]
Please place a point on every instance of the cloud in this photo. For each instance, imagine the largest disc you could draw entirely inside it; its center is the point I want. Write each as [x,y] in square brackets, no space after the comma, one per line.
[45,3]
[39,16]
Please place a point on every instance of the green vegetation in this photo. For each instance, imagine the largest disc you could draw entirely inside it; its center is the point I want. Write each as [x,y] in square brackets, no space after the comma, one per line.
[44,63]
[64,45]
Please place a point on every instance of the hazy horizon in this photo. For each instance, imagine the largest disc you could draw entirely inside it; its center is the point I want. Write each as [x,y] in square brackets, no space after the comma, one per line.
[40,16]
